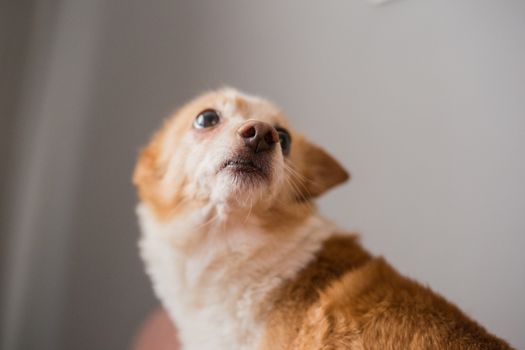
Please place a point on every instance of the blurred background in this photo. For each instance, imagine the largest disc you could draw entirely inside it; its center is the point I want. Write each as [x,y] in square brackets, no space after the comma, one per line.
[423,101]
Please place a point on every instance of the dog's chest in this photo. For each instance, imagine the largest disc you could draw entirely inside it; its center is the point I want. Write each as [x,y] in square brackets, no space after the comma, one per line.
[211,307]
[216,292]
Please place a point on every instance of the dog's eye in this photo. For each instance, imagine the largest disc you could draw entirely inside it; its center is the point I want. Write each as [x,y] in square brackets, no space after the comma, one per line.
[206,119]
[285,140]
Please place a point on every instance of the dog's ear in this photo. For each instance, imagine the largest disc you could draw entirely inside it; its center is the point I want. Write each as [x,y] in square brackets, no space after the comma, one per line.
[320,170]
[147,178]
[147,174]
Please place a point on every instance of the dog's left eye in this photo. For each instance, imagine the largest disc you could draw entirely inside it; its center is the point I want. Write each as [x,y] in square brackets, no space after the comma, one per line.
[206,119]
[284,139]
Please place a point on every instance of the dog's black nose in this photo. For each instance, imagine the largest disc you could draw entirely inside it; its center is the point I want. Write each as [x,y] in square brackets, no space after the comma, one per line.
[258,136]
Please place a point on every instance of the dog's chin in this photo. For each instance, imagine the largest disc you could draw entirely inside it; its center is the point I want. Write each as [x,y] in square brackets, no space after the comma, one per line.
[243,181]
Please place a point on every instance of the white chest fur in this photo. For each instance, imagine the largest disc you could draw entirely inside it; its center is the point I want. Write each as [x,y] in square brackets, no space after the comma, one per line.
[215,283]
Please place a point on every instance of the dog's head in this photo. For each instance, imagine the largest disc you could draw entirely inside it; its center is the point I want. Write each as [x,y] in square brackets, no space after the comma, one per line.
[234,151]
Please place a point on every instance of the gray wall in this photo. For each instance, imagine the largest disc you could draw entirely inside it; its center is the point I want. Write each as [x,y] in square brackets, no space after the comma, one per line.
[424,102]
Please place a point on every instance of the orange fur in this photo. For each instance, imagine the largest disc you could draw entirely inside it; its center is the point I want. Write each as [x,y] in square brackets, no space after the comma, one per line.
[343,299]
[347,299]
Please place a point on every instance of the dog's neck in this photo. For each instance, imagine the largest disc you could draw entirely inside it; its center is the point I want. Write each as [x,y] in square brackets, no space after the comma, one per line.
[206,270]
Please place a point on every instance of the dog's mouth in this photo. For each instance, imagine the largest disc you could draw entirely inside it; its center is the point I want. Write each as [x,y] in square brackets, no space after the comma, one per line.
[244,167]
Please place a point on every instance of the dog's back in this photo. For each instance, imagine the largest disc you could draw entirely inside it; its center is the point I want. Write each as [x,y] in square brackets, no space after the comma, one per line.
[347,299]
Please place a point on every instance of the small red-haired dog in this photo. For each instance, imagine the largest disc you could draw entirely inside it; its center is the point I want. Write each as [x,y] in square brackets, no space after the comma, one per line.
[240,258]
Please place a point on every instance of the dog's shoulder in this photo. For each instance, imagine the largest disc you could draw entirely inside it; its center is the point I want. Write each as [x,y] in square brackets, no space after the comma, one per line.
[293,301]
[348,299]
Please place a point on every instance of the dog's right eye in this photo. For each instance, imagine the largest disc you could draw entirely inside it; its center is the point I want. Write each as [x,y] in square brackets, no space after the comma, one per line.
[284,139]
[206,119]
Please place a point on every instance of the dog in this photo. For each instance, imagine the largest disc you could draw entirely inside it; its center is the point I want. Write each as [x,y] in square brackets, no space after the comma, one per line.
[240,258]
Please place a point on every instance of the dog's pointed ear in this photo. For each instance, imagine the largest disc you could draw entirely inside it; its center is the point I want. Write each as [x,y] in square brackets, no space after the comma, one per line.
[321,170]
[146,176]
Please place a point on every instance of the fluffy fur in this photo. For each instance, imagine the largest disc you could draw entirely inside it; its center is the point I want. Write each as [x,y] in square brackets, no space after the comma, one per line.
[241,260]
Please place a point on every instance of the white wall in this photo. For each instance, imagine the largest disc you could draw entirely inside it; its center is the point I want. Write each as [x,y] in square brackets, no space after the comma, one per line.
[424,102]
